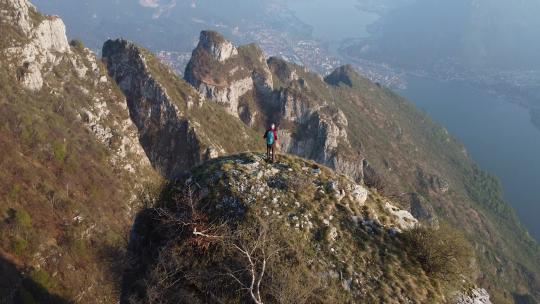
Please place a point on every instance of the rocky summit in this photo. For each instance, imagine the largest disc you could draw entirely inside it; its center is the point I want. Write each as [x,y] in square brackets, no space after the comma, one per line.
[322,237]
[369,201]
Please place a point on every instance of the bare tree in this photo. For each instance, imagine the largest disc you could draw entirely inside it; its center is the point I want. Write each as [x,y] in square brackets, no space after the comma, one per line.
[256,252]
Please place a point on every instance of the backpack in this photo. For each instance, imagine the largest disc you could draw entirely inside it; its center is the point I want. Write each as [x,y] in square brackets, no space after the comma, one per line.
[269,137]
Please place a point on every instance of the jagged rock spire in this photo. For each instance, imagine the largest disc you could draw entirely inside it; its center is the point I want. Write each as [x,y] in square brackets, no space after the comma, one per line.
[220,48]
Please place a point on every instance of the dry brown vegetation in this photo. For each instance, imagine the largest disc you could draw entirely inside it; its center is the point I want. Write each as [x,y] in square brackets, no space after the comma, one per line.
[443,253]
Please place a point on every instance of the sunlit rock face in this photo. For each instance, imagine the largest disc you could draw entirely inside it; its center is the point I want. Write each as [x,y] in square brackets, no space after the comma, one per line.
[169,140]
[219,48]
[45,42]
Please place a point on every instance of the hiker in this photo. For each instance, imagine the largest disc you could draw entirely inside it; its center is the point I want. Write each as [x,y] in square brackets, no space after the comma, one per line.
[271,138]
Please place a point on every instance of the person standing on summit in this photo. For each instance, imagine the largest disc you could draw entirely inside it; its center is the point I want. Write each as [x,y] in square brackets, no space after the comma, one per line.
[271,138]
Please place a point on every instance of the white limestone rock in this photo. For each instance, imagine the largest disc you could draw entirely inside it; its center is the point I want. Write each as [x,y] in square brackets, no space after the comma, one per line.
[403,219]
[359,194]
[219,48]
[475,296]
[227,96]
[47,42]
[17,13]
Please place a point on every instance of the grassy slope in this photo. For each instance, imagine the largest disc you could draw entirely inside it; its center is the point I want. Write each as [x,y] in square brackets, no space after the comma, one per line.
[64,209]
[383,121]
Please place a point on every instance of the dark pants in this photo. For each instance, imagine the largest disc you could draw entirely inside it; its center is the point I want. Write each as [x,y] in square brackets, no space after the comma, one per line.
[271,149]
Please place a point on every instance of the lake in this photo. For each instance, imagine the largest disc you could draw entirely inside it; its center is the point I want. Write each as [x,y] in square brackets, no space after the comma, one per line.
[498,134]
[334,21]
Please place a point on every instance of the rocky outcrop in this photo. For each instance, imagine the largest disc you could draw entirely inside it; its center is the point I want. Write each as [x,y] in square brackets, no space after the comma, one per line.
[422,209]
[322,136]
[17,13]
[224,74]
[294,107]
[229,96]
[217,46]
[169,139]
[431,183]
[45,46]
[475,296]
[314,208]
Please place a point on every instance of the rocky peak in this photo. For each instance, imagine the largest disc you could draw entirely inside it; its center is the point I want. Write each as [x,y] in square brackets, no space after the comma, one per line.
[217,46]
[338,220]
[283,70]
[343,75]
[41,46]
[227,75]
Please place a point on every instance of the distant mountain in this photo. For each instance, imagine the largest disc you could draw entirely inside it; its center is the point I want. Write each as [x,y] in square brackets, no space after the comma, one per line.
[86,140]
[470,34]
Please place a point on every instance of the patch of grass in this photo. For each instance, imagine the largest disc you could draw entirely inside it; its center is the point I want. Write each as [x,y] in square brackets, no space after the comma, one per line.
[59,150]
[14,193]
[21,219]
[19,246]
[42,278]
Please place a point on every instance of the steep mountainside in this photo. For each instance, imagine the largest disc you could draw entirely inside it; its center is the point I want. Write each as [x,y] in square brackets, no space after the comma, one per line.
[71,165]
[177,128]
[371,134]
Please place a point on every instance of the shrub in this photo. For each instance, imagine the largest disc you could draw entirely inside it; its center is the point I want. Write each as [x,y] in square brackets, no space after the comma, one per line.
[59,151]
[20,218]
[77,44]
[42,278]
[442,253]
[19,245]
[375,181]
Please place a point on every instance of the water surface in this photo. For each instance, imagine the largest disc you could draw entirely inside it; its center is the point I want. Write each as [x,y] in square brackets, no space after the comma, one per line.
[498,134]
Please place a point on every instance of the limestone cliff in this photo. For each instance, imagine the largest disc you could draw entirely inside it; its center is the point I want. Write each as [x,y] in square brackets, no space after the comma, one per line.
[169,140]
[242,70]
[174,125]
[44,45]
